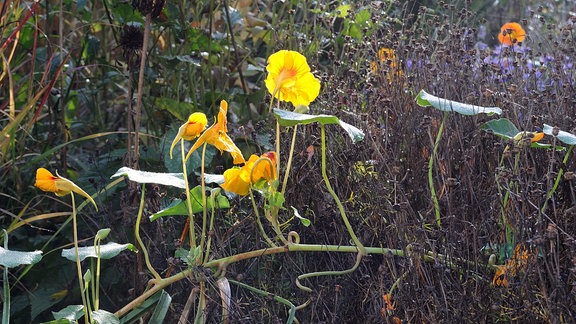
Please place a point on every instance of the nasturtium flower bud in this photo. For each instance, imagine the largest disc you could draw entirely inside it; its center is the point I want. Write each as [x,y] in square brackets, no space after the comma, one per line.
[46,181]
[191,129]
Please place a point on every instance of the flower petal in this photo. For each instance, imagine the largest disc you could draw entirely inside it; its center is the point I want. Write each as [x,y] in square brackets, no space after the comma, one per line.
[289,78]
[235,181]
[65,186]
[217,135]
[45,181]
[511,33]
[191,129]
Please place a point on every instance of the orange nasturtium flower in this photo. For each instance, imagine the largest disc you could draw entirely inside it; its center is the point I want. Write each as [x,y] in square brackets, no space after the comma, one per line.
[239,180]
[217,135]
[191,129]
[289,78]
[534,137]
[45,181]
[511,33]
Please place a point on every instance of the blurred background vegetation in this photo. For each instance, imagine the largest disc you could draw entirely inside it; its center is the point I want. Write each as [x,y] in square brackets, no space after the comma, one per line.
[68,94]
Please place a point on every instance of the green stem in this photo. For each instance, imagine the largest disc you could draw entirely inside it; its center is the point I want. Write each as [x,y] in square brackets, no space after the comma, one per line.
[137,235]
[78,265]
[222,263]
[213,211]
[277,149]
[336,199]
[204,207]
[258,222]
[431,175]
[191,230]
[291,313]
[557,181]
[201,311]
[289,163]
[328,273]
[97,288]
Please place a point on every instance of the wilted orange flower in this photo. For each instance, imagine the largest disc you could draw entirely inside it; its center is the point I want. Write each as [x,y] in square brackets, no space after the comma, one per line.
[45,181]
[388,300]
[289,78]
[217,135]
[191,129]
[388,58]
[500,276]
[239,180]
[517,263]
[511,33]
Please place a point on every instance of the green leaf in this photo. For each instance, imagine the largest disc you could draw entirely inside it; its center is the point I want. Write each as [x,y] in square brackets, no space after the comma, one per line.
[61,321]
[174,164]
[107,251]
[141,309]
[214,178]
[355,134]
[161,308]
[182,254]
[564,137]
[103,317]
[304,221]
[178,109]
[425,99]
[363,18]
[72,313]
[11,259]
[288,118]
[502,127]
[342,11]
[276,199]
[167,179]
[44,299]
[179,207]
[506,129]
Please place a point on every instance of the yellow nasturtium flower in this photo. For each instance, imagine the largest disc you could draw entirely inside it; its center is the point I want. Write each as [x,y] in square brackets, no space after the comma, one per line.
[45,181]
[289,78]
[191,129]
[217,135]
[257,168]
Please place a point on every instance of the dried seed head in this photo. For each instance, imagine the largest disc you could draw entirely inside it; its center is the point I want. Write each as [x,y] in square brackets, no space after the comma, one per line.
[131,40]
[132,37]
[152,7]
